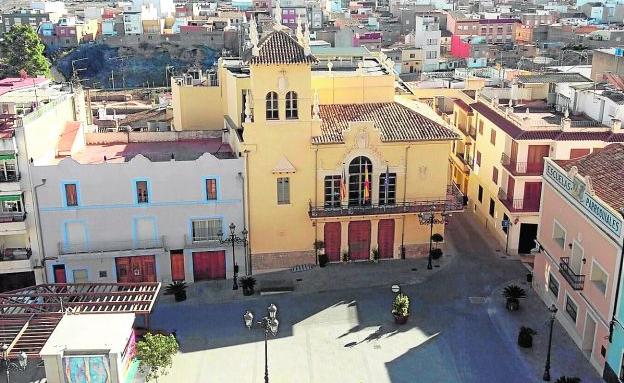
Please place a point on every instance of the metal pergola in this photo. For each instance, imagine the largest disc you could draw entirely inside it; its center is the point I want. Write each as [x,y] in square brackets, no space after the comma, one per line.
[28,316]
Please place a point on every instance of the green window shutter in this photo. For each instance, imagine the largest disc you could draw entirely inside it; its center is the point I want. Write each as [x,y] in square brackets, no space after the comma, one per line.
[13,197]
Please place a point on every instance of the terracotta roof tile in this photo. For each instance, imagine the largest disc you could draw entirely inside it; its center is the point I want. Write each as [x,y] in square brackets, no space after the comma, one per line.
[396,122]
[606,170]
[557,135]
[279,48]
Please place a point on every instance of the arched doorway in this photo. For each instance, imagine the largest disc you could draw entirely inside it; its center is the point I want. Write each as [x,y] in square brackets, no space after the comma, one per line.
[360,185]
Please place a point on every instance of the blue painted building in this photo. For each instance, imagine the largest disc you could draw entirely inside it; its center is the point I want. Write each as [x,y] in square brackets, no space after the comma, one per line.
[141,211]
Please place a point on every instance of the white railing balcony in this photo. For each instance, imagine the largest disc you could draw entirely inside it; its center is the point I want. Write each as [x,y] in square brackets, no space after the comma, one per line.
[110,246]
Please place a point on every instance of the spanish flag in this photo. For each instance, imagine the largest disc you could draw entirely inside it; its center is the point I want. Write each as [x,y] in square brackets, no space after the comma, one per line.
[343,185]
[366,185]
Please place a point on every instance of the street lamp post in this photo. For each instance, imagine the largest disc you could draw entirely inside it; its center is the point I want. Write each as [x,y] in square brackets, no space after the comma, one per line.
[22,361]
[553,313]
[270,325]
[429,218]
[234,239]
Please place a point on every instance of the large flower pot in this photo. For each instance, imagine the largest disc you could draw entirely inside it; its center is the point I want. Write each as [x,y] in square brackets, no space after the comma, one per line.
[512,304]
[248,291]
[180,296]
[400,319]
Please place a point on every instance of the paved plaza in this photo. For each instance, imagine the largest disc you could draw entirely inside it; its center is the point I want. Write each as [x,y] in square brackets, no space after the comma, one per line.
[337,326]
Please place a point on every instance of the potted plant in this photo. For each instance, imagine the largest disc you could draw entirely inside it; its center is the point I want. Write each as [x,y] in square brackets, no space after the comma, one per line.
[437,238]
[248,283]
[319,247]
[400,308]
[513,294]
[436,253]
[525,337]
[323,260]
[178,290]
[375,254]
[568,379]
[345,256]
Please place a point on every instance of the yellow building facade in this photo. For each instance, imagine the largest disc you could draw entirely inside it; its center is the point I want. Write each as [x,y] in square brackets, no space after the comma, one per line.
[332,155]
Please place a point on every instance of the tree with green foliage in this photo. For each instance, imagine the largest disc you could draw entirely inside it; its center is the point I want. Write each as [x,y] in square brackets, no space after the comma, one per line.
[22,50]
[155,354]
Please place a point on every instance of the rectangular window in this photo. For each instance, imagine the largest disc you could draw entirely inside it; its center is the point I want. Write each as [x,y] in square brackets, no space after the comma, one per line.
[141,192]
[553,285]
[206,229]
[493,137]
[481,127]
[391,188]
[495,175]
[492,207]
[559,234]
[571,308]
[480,196]
[599,277]
[478,158]
[211,189]
[80,276]
[283,190]
[71,195]
[332,191]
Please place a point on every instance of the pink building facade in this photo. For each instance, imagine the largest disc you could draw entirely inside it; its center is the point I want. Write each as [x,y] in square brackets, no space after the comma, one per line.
[579,241]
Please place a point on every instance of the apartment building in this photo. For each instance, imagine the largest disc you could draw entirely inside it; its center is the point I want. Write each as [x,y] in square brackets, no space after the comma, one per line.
[580,250]
[33,113]
[26,17]
[495,31]
[540,116]
[140,207]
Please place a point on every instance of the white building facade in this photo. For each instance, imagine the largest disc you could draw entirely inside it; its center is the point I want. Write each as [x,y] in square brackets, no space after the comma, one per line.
[141,220]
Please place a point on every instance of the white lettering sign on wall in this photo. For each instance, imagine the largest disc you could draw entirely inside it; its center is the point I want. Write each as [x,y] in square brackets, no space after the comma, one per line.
[599,212]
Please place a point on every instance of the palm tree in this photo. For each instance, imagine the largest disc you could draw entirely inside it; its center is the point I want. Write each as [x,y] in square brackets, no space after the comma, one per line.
[513,293]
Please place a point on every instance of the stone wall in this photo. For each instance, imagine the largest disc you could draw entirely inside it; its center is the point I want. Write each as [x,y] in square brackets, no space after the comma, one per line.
[126,137]
[274,261]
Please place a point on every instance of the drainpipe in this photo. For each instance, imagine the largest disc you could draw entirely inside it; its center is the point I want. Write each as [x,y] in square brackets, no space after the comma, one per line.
[617,292]
[242,178]
[246,211]
[404,196]
[38,224]
[315,203]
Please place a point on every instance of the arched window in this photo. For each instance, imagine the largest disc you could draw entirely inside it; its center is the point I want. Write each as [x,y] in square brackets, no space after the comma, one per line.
[360,176]
[272,108]
[291,105]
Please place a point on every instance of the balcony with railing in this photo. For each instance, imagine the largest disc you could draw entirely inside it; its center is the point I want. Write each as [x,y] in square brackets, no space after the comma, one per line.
[452,202]
[577,281]
[12,222]
[518,205]
[9,182]
[14,260]
[201,242]
[522,168]
[91,247]
[10,177]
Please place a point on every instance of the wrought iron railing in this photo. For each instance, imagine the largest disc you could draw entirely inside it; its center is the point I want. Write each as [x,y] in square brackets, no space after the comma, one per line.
[519,205]
[453,201]
[577,281]
[12,217]
[196,242]
[522,168]
[15,254]
[10,177]
[110,246]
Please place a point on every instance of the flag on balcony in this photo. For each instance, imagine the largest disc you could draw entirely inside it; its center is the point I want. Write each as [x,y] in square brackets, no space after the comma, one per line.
[343,185]
[386,185]
[366,184]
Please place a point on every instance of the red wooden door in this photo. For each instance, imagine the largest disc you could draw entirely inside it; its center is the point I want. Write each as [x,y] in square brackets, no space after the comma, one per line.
[514,152]
[136,269]
[177,265]
[359,240]
[511,184]
[59,274]
[208,265]
[385,238]
[535,158]
[532,195]
[332,238]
